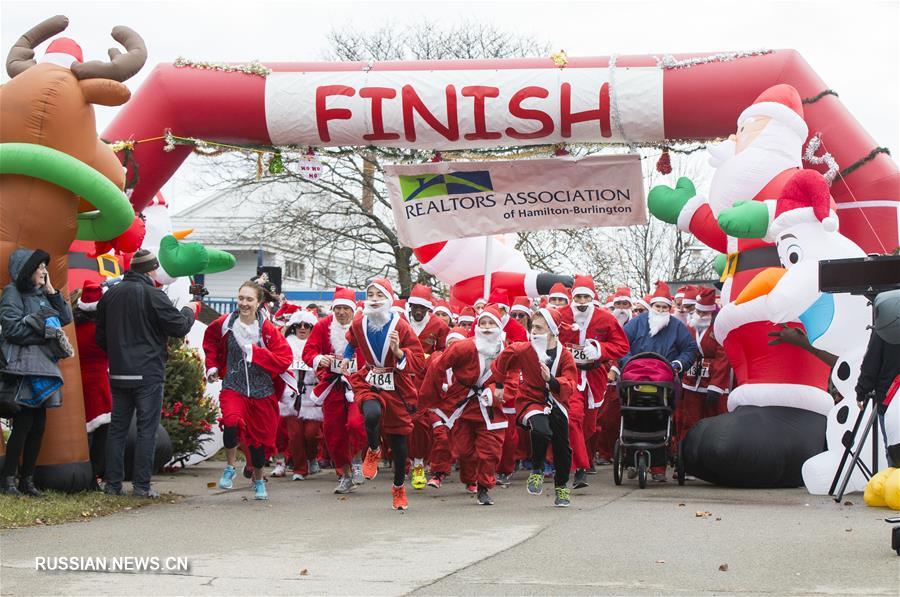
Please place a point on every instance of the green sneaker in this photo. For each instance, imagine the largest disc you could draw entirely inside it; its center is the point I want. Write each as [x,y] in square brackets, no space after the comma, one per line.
[535,483]
[562,497]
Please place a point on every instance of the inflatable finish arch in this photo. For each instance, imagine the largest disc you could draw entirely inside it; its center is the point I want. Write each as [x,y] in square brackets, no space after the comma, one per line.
[484,103]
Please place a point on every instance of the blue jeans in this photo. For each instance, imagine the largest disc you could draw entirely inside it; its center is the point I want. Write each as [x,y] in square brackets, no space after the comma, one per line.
[147,402]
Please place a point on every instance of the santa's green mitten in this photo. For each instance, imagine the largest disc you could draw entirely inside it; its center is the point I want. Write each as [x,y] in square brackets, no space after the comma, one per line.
[747,219]
[665,203]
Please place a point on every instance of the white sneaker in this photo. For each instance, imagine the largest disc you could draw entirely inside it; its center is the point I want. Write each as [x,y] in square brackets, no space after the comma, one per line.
[298,477]
[279,469]
[314,467]
[357,477]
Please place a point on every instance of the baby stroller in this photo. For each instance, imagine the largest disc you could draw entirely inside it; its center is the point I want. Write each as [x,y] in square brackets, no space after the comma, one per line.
[648,389]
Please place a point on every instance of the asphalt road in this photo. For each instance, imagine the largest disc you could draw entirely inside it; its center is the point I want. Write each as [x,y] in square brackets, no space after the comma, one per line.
[613,540]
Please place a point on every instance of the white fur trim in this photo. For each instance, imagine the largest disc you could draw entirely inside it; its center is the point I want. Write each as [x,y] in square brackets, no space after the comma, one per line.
[551,325]
[444,309]
[558,295]
[521,308]
[87,306]
[344,303]
[800,215]
[455,336]
[301,316]
[687,212]
[660,299]
[98,421]
[59,59]
[769,394]
[688,301]
[704,308]
[493,318]
[779,112]
[414,300]
[211,372]
[583,290]
[383,290]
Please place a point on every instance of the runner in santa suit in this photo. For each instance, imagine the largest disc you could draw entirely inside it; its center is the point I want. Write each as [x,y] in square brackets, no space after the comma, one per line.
[549,380]
[512,331]
[248,353]
[466,318]
[609,415]
[595,338]
[391,363]
[478,424]
[432,334]
[443,312]
[342,425]
[707,382]
[94,375]
[442,453]
[559,296]
[521,311]
[301,415]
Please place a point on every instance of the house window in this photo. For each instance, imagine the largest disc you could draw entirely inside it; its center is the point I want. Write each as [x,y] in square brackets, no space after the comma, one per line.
[294,269]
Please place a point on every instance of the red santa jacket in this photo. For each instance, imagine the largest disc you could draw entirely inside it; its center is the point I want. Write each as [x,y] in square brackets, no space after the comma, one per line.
[272,353]
[433,336]
[604,332]
[534,394]
[94,375]
[321,342]
[711,370]
[470,371]
[405,374]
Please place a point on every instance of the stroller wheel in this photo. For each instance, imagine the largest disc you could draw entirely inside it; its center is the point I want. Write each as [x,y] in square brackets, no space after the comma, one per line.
[642,467]
[679,465]
[618,463]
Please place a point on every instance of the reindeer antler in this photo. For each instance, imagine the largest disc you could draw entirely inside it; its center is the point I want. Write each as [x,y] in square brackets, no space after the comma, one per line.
[21,55]
[120,67]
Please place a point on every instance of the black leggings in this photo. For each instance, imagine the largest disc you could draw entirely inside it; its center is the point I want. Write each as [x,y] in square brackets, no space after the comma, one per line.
[371,410]
[97,445]
[552,429]
[25,441]
[257,453]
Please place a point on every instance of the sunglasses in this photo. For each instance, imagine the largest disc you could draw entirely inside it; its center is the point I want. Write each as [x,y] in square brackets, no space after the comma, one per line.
[518,315]
[305,326]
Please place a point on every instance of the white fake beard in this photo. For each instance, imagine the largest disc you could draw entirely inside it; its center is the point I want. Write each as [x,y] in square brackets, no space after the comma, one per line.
[418,326]
[337,333]
[377,314]
[741,176]
[658,321]
[487,343]
[622,315]
[539,344]
[582,318]
[701,324]
[681,316]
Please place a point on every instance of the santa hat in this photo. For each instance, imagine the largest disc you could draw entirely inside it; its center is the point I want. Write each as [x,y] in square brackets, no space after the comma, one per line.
[559,290]
[643,302]
[661,294]
[492,312]
[384,286]
[90,296]
[63,51]
[500,298]
[688,295]
[457,333]
[610,299]
[522,304]
[782,103]
[344,297]
[623,293]
[553,317]
[442,306]
[706,300]
[805,199]
[286,310]
[360,305]
[302,316]
[480,301]
[421,295]
[467,316]
[399,305]
[584,285]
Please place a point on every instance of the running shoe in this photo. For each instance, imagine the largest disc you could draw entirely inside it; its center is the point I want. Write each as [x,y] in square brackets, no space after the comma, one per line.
[484,498]
[419,480]
[562,497]
[260,488]
[370,464]
[399,498]
[535,484]
[436,480]
[227,479]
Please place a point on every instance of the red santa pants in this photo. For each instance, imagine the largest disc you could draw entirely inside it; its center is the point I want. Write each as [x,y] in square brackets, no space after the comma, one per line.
[479,451]
[693,407]
[609,419]
[577,406]
[304,437]
[510,449]
[421,437]
[282,439]
[255,418]
[441,449]
[343,428]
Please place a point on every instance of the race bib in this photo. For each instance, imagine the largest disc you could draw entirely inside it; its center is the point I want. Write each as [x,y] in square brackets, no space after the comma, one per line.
[338,363]
[381,378]
[300,365]
[699,370]
[578,353]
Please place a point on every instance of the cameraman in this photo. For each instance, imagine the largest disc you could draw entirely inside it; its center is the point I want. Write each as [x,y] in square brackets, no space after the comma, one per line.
[134,321]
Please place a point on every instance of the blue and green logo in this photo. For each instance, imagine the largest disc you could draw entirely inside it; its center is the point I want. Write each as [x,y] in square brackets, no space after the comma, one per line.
[423,186]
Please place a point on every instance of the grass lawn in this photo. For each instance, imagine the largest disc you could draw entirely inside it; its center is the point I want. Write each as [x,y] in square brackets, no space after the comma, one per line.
[57,508]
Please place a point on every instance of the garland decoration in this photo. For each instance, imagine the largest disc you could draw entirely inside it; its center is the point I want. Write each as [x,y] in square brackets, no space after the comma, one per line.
[669,62]
[254,67]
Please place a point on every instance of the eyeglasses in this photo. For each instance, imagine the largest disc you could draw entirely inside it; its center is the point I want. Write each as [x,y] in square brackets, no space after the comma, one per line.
[306,326]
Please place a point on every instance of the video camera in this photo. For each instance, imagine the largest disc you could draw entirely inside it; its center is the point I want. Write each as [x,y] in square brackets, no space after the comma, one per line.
[198,291]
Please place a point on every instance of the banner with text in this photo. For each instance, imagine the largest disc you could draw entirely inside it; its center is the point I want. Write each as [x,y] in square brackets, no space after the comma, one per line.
[446,200]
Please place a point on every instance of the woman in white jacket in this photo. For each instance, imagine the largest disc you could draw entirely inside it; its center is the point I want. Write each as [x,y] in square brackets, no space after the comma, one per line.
[302,416]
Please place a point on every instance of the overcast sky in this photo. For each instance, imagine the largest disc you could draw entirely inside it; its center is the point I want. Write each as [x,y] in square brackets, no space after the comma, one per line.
[852,45]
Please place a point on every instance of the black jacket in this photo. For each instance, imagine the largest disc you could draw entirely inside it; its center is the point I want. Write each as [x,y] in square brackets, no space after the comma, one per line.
[879,368]
[134,320]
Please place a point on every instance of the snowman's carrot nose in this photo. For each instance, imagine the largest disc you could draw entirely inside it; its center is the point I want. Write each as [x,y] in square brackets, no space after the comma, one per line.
[182,234]
[761,284]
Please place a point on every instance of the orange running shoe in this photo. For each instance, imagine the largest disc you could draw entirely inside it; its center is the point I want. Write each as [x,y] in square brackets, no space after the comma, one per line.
[400,502]
[370,464]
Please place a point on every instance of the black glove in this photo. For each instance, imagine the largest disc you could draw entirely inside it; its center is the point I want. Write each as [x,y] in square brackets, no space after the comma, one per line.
[712,397]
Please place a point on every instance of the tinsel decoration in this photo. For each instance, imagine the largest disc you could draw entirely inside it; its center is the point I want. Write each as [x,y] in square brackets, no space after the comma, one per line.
[560,150]
[670,62]
[826,158]
[437,157]
[559,58]
[664,164]
[251,68]
[276,165]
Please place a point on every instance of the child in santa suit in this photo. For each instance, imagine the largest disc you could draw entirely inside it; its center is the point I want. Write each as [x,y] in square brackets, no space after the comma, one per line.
[478,424]
[432,334]
[707,381]
[549,379]
[303,424]
[386,387]
[94,375]
[595,338]
[343,429]
[248,353]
